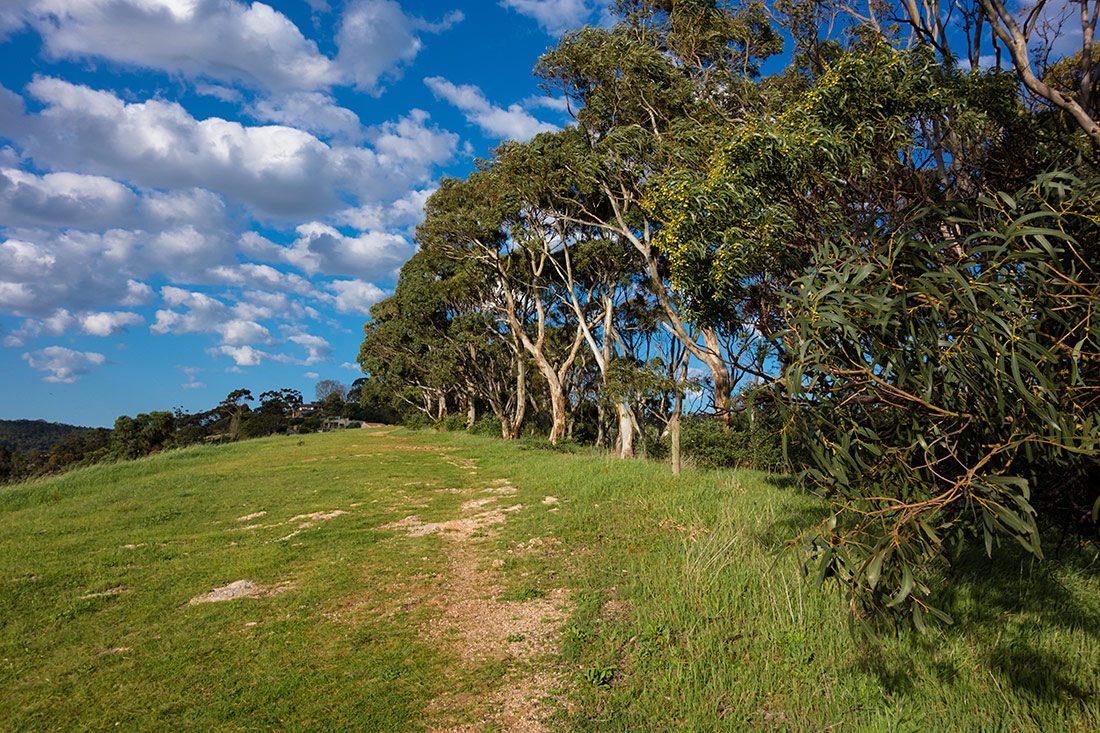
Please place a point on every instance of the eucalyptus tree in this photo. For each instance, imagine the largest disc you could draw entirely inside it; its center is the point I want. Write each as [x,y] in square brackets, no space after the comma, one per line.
[850,154]
[596,271]
[648,93]
[484,221]
[405,346]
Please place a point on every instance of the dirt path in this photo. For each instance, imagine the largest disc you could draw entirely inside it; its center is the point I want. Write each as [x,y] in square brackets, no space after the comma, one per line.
[472,623]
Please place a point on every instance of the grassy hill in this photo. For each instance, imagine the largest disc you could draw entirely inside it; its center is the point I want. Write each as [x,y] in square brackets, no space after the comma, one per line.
[391,580]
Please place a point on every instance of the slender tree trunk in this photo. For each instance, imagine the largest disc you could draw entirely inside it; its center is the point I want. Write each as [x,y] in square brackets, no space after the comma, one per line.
[441,411]
[674,430]
[557,411]
[601,418]
[516,427]
[626,430]
[471,408]
[721,375]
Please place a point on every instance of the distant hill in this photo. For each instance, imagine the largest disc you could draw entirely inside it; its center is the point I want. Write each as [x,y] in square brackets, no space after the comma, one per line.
[20,436]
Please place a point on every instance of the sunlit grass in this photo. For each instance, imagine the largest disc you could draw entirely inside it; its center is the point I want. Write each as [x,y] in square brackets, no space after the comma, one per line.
[687,613]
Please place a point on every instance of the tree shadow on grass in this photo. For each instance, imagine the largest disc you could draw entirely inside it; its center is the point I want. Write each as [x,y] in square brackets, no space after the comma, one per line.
[985,590]
[782,481]
[789,525]
[1018,615]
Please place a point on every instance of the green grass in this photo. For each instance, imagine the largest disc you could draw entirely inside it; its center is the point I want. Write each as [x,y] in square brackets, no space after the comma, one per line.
[686,612]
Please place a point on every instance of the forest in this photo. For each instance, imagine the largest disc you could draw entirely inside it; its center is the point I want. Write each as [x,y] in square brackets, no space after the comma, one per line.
[875,268]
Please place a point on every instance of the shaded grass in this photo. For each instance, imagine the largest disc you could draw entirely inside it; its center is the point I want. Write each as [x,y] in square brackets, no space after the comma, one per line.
[687,613]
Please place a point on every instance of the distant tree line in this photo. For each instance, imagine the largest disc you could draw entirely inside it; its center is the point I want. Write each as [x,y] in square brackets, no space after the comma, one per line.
[238,416]
[882,260]
[21,436]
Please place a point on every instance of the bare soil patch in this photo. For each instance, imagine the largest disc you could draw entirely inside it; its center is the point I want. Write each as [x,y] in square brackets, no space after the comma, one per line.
[472,623]
[239,589]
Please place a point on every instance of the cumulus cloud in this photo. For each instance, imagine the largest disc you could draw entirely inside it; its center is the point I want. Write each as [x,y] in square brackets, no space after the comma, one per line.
[244,355]
[315,112]
[277,170]
[92,323]
[221,39]
[217,91]
[260,276]
[229,41]
[41,271]
[355,296]
[318,348]
[201,313]
[323,249]
[376,38]
[137,293]
[558,104]
[96,203]
[407,211]
[64,199]
[555,16]
[513,123]
[12,113]
[64,365]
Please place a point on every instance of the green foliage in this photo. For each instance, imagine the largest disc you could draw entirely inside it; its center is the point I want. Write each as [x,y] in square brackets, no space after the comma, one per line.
[134,437]
[943,389]
[450,423]
[744,444]
[851,151]
[598,676]
[20,436]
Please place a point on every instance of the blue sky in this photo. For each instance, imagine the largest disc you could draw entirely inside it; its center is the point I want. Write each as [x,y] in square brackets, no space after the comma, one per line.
[203,195]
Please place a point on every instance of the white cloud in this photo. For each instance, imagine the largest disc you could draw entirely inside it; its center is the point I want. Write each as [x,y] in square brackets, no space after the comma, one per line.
[217,91]
[205,314]
[407,211]
[318,348]
[376,38]
[260,276]
[93,323]
[323,249]
[220,39]
[244,355]
[137,293]
[279,171]
[229,41]
[355,296]
[558,104]
[555,16]
[311,375]
[513,123]
[410,140]
[12,113]
[108,324]
[315,112]
[96,203]
[24,260]
[64,365]
[64,199]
